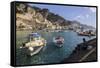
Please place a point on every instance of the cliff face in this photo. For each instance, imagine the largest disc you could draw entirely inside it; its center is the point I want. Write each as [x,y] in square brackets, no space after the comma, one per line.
[31,18]
[34,18]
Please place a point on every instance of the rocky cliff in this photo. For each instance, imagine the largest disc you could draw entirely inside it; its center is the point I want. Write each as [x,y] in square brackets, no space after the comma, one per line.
[34,18]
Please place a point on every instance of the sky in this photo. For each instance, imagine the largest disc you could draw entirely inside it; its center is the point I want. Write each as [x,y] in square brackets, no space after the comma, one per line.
[85,15]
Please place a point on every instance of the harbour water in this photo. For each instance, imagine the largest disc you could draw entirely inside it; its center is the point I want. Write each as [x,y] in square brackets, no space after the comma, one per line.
[50,53]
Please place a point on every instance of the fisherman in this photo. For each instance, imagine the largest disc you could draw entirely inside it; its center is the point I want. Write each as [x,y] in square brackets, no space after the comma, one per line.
[84,40]
[84,44]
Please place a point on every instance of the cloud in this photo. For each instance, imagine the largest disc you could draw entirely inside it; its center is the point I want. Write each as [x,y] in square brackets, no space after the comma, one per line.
[79,17]
[92,9]
[82,17]
[87,15]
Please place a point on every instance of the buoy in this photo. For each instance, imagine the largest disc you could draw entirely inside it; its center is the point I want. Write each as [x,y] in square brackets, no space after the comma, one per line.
[21,47]
[31,48]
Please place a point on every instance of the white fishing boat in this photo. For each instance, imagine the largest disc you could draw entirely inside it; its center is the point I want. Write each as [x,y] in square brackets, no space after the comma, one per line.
[35,44]
[58,41]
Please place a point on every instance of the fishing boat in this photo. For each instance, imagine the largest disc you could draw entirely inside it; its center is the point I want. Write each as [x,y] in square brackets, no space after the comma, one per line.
[86,34]
[58,41]
[34,45]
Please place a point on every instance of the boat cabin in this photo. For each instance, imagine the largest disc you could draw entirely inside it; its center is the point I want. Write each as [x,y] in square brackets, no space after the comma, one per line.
[34,36]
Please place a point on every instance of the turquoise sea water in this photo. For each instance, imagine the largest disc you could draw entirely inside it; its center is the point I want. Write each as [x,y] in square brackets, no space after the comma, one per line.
[51,53]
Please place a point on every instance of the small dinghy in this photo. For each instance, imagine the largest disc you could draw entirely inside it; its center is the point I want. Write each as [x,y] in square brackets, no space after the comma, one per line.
[34,45]
[58,41]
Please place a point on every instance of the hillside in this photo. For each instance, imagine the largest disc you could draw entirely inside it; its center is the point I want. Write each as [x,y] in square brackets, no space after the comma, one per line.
[34,18]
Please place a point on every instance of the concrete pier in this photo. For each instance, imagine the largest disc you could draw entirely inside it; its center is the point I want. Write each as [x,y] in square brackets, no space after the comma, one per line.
[82,54]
